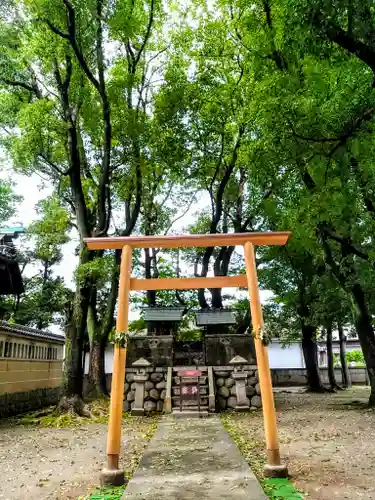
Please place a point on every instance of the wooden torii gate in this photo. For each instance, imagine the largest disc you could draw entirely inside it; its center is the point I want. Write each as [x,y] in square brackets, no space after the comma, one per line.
[112,474]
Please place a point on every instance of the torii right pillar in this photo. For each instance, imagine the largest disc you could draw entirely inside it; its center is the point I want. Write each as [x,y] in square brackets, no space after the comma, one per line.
[274,467]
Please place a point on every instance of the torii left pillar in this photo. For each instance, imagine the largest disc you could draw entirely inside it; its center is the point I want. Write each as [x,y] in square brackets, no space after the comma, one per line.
[112,475]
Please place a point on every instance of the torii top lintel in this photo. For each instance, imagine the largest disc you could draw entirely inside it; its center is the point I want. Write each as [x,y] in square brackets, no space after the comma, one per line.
[188,240]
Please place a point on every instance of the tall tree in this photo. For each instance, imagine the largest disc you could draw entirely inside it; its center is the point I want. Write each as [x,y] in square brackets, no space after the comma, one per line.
[60,98]
[318,123]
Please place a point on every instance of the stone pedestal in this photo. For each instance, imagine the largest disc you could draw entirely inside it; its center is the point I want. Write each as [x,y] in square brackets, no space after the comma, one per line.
[139,380]
[168,395]
[239,376]
[112,477]
[242,399]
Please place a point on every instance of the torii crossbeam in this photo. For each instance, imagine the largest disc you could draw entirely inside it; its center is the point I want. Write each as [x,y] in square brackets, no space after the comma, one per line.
[112,474]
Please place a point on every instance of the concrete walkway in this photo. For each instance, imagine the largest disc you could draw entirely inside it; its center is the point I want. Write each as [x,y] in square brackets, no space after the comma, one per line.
[193,459]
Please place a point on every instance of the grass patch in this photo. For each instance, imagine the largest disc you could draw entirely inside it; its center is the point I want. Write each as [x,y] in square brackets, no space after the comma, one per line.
[280,489]
[106,493]
[253,452]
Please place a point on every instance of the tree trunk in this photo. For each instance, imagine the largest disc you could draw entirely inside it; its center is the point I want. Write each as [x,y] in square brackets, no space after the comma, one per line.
[221,267]
[72,380]
[72,377]
[99,333]
[72,387]
[244,323]
[346,379]
[366,336]
[216,298]
[330,359]
[96,377]
[310,353]
[72,384]
[151,294]
[362,319]
[203,304]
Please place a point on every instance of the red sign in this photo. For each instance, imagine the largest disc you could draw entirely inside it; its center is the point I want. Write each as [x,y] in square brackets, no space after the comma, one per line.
[189,373]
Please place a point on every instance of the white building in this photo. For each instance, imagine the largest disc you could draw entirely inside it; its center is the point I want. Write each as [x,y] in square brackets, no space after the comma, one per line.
[281,356]
[291,355]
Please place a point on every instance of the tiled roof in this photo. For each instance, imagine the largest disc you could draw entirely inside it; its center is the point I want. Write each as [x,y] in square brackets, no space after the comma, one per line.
[215,317]
[26,331]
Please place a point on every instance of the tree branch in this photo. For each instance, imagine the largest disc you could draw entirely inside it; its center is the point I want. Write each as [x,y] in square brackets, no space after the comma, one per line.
[53,165]
[347,41]
[17,83]
[71,37]
[218,163]
[344,242]
[147,35]
[363,187]
[104,201]
[52,27]
[180,216]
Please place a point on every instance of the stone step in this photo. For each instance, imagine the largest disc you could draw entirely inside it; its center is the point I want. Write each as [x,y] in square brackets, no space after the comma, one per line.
[187,402]
[192,408]
[202,380]
[180,368]
[190,413]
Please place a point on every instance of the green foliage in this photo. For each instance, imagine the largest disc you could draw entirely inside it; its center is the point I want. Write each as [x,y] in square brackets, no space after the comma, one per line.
[137,325]
[249,117]
[355,357]
[98,270]
[8,201]
[50,231]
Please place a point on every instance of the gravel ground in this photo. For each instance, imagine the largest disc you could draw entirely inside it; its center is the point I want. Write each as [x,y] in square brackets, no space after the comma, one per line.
[51,463]
[327,440]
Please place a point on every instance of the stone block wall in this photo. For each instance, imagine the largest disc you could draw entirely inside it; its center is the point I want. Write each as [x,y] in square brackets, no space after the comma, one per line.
[13,403]
[220,349]
[157,350]
[155,389]
[225,388]
[289,377]
[213,350]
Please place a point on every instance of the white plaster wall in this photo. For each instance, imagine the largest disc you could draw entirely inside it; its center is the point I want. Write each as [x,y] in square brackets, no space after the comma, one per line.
[108,360]
[290,356]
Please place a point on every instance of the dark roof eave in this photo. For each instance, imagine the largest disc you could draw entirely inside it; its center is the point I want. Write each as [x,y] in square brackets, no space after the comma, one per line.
[33,333]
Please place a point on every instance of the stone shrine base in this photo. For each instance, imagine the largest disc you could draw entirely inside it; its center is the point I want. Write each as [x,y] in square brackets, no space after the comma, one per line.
[191,459]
